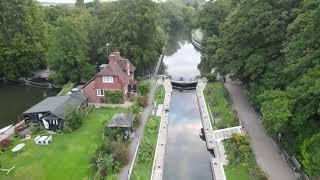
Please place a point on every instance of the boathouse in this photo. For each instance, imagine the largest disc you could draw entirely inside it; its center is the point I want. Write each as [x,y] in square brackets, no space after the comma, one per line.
[51,111]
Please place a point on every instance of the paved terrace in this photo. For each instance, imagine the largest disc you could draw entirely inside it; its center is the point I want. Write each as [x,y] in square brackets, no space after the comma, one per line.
[158,162]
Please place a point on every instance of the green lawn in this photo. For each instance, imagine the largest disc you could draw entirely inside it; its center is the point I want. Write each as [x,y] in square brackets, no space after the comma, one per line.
[68,157]
[159,94]
[143,166]
[217,102]
[239,172]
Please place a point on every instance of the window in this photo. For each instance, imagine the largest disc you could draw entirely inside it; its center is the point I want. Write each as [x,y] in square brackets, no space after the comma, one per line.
[100,92]
[107,79]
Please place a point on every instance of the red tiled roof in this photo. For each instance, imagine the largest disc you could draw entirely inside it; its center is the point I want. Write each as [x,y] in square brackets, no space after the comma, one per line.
[113,69]
[117,67]
[122,62]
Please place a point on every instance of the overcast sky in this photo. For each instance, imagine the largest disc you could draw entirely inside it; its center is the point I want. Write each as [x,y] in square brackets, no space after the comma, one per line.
[62,1]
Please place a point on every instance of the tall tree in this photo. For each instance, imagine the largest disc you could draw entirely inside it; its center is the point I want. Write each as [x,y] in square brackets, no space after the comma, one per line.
[22,38]
[130,27]
[79,3]
[68,47]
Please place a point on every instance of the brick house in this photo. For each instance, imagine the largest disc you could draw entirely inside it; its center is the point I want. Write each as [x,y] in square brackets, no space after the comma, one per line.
[117,75]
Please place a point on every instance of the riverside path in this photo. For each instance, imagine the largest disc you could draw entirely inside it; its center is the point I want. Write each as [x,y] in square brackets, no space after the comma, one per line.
[267,154]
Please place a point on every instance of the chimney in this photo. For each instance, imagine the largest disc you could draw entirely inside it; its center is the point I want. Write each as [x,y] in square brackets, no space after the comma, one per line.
[117,54]
[112,58]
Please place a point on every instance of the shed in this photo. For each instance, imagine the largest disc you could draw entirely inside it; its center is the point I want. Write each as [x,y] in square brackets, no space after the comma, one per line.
[51,111]
[124,122]
[121,120]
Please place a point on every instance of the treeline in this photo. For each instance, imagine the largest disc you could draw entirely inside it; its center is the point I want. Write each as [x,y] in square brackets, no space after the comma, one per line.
[273,47]
[74,41]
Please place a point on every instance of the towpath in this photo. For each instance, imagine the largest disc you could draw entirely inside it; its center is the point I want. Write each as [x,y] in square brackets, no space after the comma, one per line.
[124,174]
[267,154]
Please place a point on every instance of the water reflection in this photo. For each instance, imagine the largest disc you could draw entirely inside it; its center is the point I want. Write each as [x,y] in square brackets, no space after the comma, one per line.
[14,99]
[186,154]
[181,58]
[176,40]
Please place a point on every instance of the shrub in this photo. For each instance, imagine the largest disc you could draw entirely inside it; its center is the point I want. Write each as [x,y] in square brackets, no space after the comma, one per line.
[73,119]
[135,108]
[120,152]
[211,77]
[137,121]
[113,97]
[5,143]
[143,101]
[113,134]
[239,152]
[143,88]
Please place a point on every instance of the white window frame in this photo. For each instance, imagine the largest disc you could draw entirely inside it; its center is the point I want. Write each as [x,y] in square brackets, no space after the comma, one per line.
[100,92]
[107,79]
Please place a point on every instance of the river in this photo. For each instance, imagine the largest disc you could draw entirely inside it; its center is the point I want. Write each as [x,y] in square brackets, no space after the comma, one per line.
[186,154]
[15,99]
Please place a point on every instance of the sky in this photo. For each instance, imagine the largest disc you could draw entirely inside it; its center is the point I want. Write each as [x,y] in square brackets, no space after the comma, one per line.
[62,1]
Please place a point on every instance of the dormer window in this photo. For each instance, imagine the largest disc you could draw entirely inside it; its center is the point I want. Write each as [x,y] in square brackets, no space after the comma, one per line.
[107,79]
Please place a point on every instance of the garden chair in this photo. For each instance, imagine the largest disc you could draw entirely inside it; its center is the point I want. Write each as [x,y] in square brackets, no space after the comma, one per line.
[37,139]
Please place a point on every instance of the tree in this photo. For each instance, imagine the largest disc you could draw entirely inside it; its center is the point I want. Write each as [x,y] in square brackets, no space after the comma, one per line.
[68,48]
[22,38]
[79,3]
[276,111]
[311,155]
[130,27]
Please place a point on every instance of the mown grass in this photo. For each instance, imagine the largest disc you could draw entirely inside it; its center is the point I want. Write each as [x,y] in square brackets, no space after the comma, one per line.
[217,102]
[237,172]
[159,94]
[68,157]
[143,166]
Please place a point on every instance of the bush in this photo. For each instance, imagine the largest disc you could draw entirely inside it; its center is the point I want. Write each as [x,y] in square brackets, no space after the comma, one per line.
[113,97]
[239,152]
[143,88]
[211,77]
[5,144]
[120,152]
[73,119]
[137,121]
[135,108]
[143,101]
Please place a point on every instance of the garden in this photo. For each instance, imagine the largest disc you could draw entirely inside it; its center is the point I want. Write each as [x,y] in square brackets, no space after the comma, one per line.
[241,161]
[218,104]
[143,165]
[72,151]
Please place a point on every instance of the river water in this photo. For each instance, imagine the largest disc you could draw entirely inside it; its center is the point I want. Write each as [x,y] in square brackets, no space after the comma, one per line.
[15,99]
[186,154]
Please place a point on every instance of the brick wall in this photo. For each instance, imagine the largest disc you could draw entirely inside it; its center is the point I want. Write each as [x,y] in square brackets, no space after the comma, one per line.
[90,90]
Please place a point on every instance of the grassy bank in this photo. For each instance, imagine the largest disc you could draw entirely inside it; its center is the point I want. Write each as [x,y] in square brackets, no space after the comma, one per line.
[143,165]
[68,157]
[217,102]
[65,89]
[241,161]
[159,94]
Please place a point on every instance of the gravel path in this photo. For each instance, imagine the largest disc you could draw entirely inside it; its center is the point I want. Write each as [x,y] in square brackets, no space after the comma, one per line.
[266,151]
[138,134]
